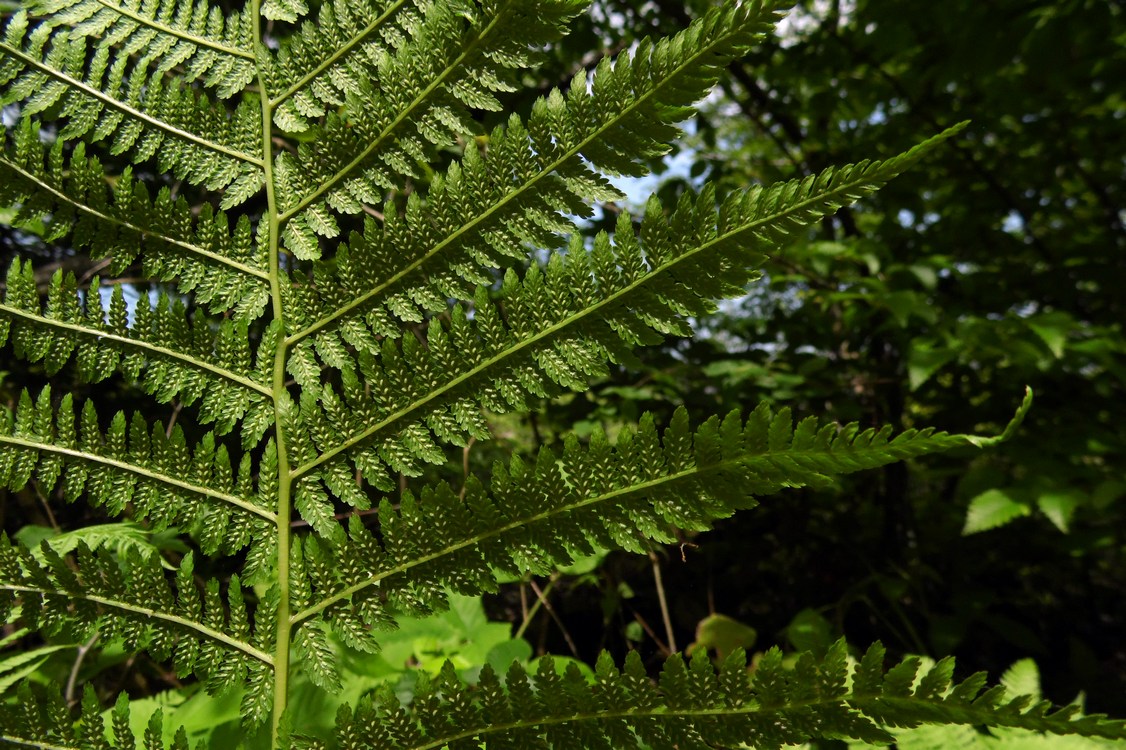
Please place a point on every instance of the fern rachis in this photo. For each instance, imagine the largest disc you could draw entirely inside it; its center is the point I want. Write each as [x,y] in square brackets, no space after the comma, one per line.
[325,367]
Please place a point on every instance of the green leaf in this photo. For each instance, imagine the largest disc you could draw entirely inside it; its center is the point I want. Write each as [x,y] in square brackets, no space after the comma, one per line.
[723,634]
[1059,506]
[991,509]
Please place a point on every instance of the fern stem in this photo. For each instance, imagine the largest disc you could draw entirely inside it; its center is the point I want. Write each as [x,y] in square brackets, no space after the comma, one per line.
[284,631]
[94,333]
[141,471]
[347,47]
[483,218]
[201,41]
[22,742]
[388,132]
[535,342]
[215,635]
[132,112]
[62,197]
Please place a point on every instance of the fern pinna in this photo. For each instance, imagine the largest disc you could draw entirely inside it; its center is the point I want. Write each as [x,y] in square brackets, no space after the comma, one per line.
[334,327]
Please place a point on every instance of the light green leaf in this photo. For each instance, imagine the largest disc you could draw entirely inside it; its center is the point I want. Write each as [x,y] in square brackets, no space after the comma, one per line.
[991,509]
[1059,506]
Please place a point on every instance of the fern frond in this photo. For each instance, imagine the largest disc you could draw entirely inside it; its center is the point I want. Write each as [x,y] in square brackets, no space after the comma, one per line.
[487,209]
[453,59]
[144,115]
[537,516]
[691,706]
[40,719]
[190,33]
[559,326]
[164,351]
[128,598]
[347,52]
[226,271]
[156,474]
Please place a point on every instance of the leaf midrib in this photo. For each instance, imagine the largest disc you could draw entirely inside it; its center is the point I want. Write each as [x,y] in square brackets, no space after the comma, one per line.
[187,360]
[646,486]
[140,471]
[126,109]
[336,56]
[90,210]
[201,41]
[215,635]
[387,132]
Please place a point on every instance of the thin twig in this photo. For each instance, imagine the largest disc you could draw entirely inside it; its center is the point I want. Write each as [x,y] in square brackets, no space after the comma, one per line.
[72,679]
[661,645]
[656,563]
[551,611]
[529,614]
[46,506]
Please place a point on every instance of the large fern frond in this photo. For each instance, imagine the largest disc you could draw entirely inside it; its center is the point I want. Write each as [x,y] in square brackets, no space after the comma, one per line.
[536,516]
[144,115]
[133,464]
[559,325]
[217,49]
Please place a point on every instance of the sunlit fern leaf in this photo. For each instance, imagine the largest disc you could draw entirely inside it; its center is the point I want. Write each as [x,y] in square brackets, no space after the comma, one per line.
[561,324]
[143,115]
[348,374]
[169,354]
[691,706]
[514,196]
[194,35]
[128,598]
[225,270]
[133,463]
[454,58]
[537,516]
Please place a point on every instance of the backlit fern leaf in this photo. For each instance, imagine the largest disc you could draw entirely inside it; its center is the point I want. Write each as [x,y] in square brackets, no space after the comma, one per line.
[560,325]
[106,97]
[487,210]
[131,463]
[385,133]
[208,45]
[398,343]
[537,516]
[204,632]
[225,270]
[691,706]
[171,355]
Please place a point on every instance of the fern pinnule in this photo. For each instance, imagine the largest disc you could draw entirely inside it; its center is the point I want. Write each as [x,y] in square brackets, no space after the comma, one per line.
[691,705]
[169,354]
[131,464]
[224,269]
[145,116]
